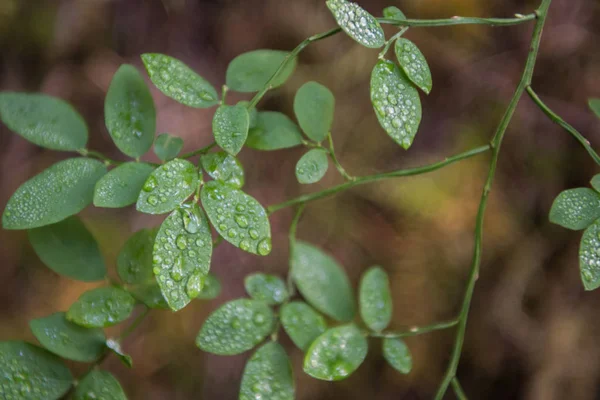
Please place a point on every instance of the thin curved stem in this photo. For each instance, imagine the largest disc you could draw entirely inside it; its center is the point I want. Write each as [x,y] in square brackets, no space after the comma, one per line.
[458,390]
[292,239]
[416,330]
[390,41]
[336,162]
[99,156]
[518,19]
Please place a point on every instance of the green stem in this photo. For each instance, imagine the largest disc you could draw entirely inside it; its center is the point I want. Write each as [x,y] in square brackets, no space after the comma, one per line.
[562,123]
[292,238]
[496,142]
[99,156]
[377,177]
[224,94]
[519,19]
[458,390]
[389,42]
[416,330]
[202,150]
[335,160]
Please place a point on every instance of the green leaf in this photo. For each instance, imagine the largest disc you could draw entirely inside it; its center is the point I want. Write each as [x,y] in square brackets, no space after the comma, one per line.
[413,64]
[181,256]
[121,186]
[302,323]
[30,372]
[224,167]
[167,187]
[595,106]
[60,191]
[252,112]
[394,13]
[115,347]
[211,289]
[134,263]
[250,72]
[101,307]
[322,282]
[129,112]
[98,384]
[268,375]
[575,208]
[596,182]
[589,257]
[273,131]
[68,340]
[43,120]
[69,249]
[150,294]
[235,327]
[357,23]
[397,354]
[375,299]
[238,217]
[396,103]
[179,82]
[314,105]
[230,126]
[268,288]
[336,354]
[312,166]
[167,147]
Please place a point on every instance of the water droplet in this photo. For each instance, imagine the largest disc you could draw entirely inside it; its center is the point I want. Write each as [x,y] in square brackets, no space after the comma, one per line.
[264,247]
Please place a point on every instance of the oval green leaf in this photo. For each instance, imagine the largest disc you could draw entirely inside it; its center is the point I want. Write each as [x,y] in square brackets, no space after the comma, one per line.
[101,307]
[375,299]
[589,257]
[98,384]
[252,112]
[273,131]
[312,166]
[129,112]
[268,288]
[134,262]
[43,120]
[167,187]
[396,103]
[68,340]
[250,72]
[211,289]
[413,64]
[230,126]
[179,82]
[238,217]
[235,327]
[314,105]
[69,249]
[595,106]
[121,186]
[336,354]
[575,208]
[394,13]
[302,323]
[268,375]
[596,182]
[397,354]
[60,191]
[225,168]
[357,23]
[322,282]
[32,373]
[181,256]
[167,147]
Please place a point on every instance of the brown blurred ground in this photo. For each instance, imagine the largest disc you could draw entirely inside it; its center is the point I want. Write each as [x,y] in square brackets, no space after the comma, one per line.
[533,330]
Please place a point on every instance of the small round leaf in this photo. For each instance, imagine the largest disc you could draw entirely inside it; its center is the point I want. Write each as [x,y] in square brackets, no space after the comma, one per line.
[121,186]
[413,64]
[224,167]
[167,147]
[575,208]
[250,72]
[314,105]
[375,299]
[273,131]
[397,354]
[394,13]
[101,307]
[589,257]
[357,23]
[302,323]
[312,166]
[99,384]
[268,288]
[134,262]
[230,126]
[268,375]
[595,106]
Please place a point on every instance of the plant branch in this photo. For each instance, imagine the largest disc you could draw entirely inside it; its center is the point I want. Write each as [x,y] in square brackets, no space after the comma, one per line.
[292,238]
[389,42]
[518,19]
[458,390]
[335,160]
[416,330]
[99,156]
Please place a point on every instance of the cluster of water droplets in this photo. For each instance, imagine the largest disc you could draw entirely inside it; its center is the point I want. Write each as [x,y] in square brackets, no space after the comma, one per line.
[302,324]
[230,127]
[357,23]
[413,63]
[312,166]
[576,208]
[589,256]
[101,307]
[268,288]
[168,186]
[268,375]
[225,168]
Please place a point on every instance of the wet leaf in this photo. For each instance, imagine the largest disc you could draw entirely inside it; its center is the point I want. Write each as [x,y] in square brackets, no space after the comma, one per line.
[167,187]
[224,167]
[134,262]
[413,64]
[230,127]
[397,354]
[312,166]
[238,217]
[314,105]
[273,131]
[121,186]
[98,384]
[394,13]
[58,192]
[575,208]
[595,106]
[252,112]
[336,354]
[181,256]
[250,72]
[179,82]
[32,373]
[211,289]
[68,340]
[589,257]
[357,23]
[322,282]
[268,288]
[115,347]
[596,182]
[129,112]
[167,147]
[150,294]
[101,307]
[235,327]
[302,323]
[43,120]
[396,103]
[268,375]
[375,299]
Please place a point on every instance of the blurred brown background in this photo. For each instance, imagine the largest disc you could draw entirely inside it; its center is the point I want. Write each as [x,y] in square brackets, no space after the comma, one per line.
[533,331]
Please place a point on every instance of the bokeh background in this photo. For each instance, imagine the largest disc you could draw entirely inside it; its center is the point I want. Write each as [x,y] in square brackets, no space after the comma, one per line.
[533,331]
